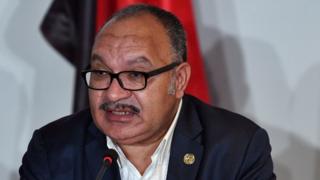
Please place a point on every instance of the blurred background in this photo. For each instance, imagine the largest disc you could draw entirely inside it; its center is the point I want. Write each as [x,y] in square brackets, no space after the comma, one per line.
[261,59]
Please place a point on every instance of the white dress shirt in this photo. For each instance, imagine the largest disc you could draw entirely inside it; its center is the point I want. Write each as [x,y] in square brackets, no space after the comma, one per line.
[158,168]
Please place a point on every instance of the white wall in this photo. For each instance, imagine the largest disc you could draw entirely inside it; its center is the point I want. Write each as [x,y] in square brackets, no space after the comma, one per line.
[261,56]
[36,83]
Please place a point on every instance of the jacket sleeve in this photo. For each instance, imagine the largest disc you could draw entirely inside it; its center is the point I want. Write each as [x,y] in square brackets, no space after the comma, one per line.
[257,163]
[34,163]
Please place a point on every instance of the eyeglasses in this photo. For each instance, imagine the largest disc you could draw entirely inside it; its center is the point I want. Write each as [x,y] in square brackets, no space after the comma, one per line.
[128,80]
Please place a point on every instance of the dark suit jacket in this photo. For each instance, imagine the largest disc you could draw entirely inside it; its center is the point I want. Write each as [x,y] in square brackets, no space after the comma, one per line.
[226,146]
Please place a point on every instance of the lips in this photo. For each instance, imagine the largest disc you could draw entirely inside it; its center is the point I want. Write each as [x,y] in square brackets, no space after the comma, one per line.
[119,112]
[116,116]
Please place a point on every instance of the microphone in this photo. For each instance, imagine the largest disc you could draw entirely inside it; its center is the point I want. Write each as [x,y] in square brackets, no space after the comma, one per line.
[109,157]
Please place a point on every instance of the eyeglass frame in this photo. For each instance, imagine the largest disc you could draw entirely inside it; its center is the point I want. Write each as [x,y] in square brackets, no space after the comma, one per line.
[146,75]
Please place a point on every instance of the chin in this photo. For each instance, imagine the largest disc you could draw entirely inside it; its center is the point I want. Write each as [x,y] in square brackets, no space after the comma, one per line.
[125,137]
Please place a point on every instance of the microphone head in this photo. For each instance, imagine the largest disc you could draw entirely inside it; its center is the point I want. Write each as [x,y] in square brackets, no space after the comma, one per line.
[110,156]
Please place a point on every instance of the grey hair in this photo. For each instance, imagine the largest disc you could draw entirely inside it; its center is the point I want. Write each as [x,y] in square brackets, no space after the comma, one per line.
[171,23]
[172,85]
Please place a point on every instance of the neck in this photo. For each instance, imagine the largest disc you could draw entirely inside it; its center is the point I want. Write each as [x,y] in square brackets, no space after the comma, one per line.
[140,155]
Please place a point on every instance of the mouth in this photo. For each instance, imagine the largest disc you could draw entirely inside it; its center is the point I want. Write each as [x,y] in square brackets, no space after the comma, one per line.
[120,113]
[120,116]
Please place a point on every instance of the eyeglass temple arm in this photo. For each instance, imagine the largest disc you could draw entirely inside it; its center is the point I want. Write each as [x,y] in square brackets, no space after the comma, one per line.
[163,69]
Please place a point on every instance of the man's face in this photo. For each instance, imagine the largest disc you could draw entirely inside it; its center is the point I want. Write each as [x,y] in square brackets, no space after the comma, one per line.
[136,117]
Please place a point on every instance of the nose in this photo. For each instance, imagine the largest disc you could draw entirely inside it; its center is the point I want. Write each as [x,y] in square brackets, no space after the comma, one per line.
[115,92]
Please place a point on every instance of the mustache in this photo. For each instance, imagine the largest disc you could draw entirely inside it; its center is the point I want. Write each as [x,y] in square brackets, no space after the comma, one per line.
[116,105]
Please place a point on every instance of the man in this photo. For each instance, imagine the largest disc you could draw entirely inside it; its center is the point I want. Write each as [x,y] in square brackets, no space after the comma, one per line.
[136,80]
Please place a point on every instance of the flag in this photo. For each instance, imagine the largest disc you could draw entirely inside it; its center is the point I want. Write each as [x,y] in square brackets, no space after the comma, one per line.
[70,25]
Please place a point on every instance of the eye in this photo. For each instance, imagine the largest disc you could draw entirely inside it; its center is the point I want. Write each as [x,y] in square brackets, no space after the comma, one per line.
[135,75]
[99,74]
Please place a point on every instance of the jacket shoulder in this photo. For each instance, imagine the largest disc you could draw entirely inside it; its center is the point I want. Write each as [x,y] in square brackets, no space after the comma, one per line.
[66,130]
[221,123]
[53,147]
[68,123]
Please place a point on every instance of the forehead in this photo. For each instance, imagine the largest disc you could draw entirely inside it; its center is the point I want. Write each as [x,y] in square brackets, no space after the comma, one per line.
[143,24]
[134,34]
[109,40]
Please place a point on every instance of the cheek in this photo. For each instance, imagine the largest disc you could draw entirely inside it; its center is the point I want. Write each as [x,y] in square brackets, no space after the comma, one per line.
[154,101]
[95,101]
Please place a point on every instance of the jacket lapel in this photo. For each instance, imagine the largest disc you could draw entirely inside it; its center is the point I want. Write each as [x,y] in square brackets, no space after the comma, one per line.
[94,151]
[186,145]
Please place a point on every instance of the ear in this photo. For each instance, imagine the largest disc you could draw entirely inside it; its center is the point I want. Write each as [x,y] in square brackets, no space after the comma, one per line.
[183,73]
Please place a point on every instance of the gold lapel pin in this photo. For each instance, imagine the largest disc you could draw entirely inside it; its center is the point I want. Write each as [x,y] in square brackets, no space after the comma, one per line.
[189,159]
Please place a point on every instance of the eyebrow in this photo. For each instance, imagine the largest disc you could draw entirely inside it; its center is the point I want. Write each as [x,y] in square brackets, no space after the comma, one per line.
[96,57]
[139,60]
